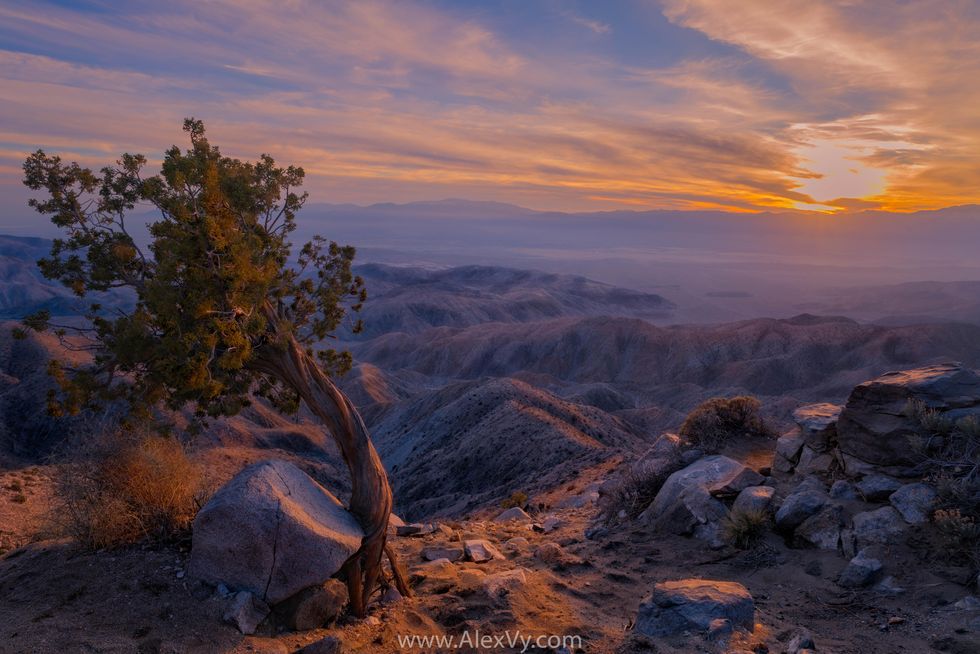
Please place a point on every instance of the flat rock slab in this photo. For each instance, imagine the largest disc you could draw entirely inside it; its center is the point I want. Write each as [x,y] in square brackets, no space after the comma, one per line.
[692,605]
[480,551]
[879,527]
[272,531]
[818,424]
[915,502]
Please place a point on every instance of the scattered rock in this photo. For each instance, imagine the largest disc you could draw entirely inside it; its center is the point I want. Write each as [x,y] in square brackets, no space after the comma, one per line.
[551,523]
[239,535]
[246,612]
[915,502]
[392,596]
[326,645]
[469,577]
[787,455]
[549,553]
[440,574]
[889,586]
[578,501]
[753,498]
[416,529]
[812,461]
[799,506]
[435,553]
[502,583]
[874,425]
[517,543]
[863,570]
[313,607]
[881,526]
[818,425]
[822,530]
[843,490]
[692,604]
[480,551]
[514,514]
[877,487]
[800,642]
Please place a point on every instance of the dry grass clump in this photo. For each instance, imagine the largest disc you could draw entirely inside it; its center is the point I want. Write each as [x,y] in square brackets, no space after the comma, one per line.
[635,489]
[516,499]
[960,536]
[716,422]
[127,487]
[744,529]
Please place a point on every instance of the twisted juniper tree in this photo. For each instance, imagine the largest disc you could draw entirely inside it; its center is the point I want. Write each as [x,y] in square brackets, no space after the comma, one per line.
[221,312]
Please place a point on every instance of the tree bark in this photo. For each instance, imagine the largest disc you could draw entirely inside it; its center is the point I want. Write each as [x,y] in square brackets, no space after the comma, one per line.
[371,498]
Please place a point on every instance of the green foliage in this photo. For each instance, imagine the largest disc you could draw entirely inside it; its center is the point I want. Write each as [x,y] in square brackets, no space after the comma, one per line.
[715,422]
[517,498]
[215,288]
[744,529]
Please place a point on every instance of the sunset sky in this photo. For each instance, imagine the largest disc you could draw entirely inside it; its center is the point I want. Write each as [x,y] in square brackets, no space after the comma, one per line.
[637,104]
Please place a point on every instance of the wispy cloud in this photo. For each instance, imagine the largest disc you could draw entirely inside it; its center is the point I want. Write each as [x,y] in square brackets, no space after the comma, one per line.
[402,101]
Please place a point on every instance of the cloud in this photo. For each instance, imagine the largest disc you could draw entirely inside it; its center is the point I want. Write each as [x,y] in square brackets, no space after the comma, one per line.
[400,101]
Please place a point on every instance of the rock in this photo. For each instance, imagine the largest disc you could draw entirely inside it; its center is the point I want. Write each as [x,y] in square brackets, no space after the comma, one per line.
[874,425]
[842,490]
[392,596]
[744,479]
[813,568]
[312,608]
[753,498]
[967,603]
[517,543]
[801,641]
[889,586]
[514,514]
[877,487]
[692,605]
[549,553]
[812,461]
[503,583]
[822,530]
[436,553]
[684,501]
[480,551]
[272,531]
[798,507]
[551,523]
[326,645]
[246,612]
[578,501]
[690,456]
[811,483]
[394,522]
[915,502]
[818,425]
[416,529]
[881,526]
[787,453]
[863,570]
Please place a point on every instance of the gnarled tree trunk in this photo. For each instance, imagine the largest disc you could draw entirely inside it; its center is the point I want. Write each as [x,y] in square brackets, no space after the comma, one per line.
[371,499]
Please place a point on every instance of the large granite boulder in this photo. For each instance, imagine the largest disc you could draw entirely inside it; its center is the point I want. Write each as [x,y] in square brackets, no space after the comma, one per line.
[875,427]
[686,501]
[693,605]
[272,531]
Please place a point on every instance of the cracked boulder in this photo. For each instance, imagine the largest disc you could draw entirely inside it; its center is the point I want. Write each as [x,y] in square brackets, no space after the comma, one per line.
[272,531]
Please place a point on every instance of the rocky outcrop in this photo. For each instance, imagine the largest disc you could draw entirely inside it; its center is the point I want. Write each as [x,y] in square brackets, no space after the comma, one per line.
[272,531]
[693,605]
[875,425]
[818,425]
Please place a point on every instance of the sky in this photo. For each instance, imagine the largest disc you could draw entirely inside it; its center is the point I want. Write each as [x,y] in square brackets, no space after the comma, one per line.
[551,104]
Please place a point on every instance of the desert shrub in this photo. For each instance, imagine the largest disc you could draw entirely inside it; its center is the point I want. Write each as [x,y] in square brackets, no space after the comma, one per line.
[19,498]
[930,420]
[517,498]
[744,529]
[128,487]
[14,486]
[960,536]
[635,489]
[717,421]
